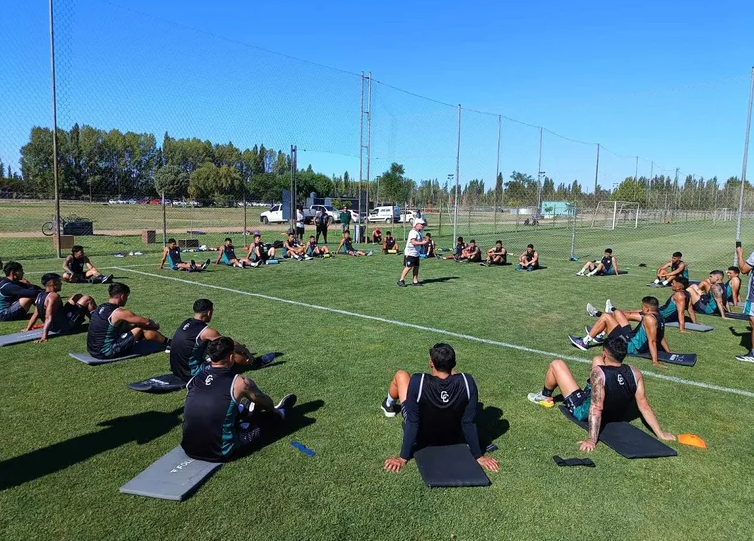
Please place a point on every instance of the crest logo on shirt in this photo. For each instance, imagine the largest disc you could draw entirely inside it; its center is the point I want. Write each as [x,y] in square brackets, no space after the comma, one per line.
[444,397]
[209,379]
[621,381]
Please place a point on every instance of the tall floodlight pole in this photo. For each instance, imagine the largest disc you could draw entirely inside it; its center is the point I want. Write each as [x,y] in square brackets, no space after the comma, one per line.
[497,167]
[361,143]
[596,174]
[56,182]
[539,174]
[293,186]
[458,174]
[369,151]
[745,164]
[636,170]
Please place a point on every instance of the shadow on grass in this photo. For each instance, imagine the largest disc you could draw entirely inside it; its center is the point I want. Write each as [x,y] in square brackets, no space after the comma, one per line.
[273,430]
[745,337]
[490,424]
[442,279]
[141,428]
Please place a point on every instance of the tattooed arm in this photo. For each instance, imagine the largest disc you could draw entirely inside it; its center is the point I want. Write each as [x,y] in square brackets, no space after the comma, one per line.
[595,409]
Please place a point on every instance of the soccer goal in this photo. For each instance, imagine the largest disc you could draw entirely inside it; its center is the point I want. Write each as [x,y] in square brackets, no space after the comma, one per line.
[722,214]
[612,214]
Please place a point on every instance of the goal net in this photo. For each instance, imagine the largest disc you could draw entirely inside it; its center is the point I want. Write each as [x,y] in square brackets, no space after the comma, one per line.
[723,214]
[613,214]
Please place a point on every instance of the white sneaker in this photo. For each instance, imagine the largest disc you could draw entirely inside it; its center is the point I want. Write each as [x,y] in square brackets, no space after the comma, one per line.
[745,358]
[539,398]
[308,258]
[666,282]
[580,273]
[609,308]
[592,273]
[657,281]
[591,310]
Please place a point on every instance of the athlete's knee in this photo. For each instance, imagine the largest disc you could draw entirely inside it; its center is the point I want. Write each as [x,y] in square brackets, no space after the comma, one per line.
[77,298]
[138,332]
[401,375]
[558,365]
[597,360]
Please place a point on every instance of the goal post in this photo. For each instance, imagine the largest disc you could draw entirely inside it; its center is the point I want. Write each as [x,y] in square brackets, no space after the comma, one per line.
[612,214]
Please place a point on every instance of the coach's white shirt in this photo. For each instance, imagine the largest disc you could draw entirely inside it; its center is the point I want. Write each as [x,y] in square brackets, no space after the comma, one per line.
[410,248]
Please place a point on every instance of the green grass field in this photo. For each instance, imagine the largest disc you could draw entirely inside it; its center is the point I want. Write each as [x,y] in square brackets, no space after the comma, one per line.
[72,434]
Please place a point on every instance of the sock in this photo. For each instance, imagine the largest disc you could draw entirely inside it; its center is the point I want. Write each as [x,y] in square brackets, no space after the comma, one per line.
[665,283]
[657,280]
[389,400]
[546,392]
[587,339]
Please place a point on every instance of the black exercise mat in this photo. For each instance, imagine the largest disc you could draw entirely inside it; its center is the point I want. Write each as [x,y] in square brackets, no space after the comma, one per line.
[159,384]
[627,440]
[450,466]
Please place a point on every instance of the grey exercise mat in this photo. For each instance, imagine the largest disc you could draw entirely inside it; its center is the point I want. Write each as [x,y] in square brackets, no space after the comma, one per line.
[175,476]
[25,336]
[683,359]
[691,326]
[145,347]
[159,384]
[450,466]
[626,439]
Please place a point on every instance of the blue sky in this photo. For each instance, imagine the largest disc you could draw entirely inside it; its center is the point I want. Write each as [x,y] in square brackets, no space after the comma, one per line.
[667,81]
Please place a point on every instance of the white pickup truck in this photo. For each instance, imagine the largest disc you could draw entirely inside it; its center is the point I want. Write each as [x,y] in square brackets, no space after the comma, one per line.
[272,216]
[312,211]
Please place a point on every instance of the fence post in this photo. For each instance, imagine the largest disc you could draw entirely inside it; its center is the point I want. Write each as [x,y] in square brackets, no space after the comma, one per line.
[469,220]
[164,222]
[439,226]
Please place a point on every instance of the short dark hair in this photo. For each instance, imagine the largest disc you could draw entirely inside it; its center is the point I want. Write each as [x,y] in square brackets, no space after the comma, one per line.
[311,236]
[76,248]
[291,234]
[443,357]
[677,254]
[50,277]
[171,241]
[616,347]
[220,348]
[498,241]
[428,235]
[472,240]
[11,267]
[227,239]
[202,306]
[682,280]
[608,251]
[717,273]
[734,269]
[651,301]
[460,239]
[388,233]
[530,246]
[118,288]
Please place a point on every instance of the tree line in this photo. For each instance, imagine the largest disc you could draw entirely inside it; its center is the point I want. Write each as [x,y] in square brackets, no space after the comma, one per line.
[97,164]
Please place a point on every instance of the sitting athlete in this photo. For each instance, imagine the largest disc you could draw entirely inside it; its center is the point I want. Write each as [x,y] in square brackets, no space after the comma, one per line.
[674,309]
[471,254]
[529,260]
[497,255]
[59,317]
[190,340]
[458,252]
[376,236]
[259,254]
[172,255]
[389,244]
[612,393]
[312,249]
[16,293]
[215,428]
[346,246]
[732,288]
[608,266]
[78,268]
[438,408]
[707,296]
[675,267]
[227,256]
[646,337]
[293,248]
[114,331]
[429,249]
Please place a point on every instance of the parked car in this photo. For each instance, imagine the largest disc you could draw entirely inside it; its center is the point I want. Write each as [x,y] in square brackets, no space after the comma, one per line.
[272,216]
[312,211]
[388,214]
[409,215]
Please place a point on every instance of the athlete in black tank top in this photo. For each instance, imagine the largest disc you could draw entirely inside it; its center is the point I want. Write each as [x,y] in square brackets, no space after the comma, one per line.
[102,334]
[620,391]
[187,349]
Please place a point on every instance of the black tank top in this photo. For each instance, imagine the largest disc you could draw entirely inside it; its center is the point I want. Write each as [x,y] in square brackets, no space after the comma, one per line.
[58,319]
[620,391]
[390,243]
[660,327]
[102,334]
[209,416]
[76,265]
[230,252]
[187,349]
[529,256]
[607,262]
[174,255]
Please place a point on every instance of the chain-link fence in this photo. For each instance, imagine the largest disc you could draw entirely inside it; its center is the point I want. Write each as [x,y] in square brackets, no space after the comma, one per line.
[152,111]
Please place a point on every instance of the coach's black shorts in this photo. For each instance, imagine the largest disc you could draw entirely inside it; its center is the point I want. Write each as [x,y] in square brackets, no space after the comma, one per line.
[411,261]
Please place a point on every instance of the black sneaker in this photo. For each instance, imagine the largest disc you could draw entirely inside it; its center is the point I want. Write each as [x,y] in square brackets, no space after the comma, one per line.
[193,264]
[390,410]
[485,263]
[205,265]
[417,284]
[264,360]
[286,404]
[401,283]
[108,279]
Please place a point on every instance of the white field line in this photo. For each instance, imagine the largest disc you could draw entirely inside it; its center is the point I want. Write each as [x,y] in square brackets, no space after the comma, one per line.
[469,337]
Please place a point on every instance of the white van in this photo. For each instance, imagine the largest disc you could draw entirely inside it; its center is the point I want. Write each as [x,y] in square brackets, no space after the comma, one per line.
[388,215]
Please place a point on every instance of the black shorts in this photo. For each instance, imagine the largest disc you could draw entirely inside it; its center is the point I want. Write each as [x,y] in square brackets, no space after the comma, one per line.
[411,261]
[14,312]
[72,317]
[122,345]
